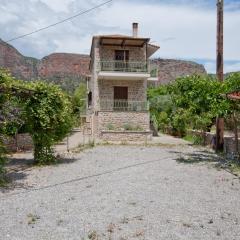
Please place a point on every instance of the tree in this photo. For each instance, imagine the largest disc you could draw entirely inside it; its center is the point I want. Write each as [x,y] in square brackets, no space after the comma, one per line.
[195,102]
[200,99]
[79,99]
[47,112]
[48,115]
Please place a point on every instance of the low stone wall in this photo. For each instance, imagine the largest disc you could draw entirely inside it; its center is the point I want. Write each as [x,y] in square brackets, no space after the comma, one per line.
[125,136]
[229,146]
[22,142]
[119,119]
[229,142]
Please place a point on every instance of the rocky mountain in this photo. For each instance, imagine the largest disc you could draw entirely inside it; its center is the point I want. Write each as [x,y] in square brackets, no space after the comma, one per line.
[65,69]
[69,70]
[170,69]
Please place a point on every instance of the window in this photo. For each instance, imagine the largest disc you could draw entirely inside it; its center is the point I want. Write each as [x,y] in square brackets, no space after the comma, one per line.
[122,55]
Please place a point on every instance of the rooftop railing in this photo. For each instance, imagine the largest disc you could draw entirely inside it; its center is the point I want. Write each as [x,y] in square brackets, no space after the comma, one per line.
[129,66]
[124,105]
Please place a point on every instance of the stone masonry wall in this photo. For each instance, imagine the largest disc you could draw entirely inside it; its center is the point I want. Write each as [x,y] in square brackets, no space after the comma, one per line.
[135,53]
[23,142]
[229,146]
[119,119]
[125,136]
[136,89]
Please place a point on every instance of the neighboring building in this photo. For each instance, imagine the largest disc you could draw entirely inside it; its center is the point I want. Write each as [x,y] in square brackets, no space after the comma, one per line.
[117,99]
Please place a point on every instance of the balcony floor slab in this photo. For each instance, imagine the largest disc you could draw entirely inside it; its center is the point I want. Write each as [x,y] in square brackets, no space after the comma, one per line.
[123,75]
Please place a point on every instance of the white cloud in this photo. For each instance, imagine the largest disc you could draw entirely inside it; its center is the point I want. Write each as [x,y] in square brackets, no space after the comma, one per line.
[186,30]
[58,6]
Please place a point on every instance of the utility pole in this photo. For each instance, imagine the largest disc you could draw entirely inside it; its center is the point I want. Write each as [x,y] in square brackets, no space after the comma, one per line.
[220,76]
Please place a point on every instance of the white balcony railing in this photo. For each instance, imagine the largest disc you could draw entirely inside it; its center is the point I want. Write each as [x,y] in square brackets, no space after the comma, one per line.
[124,105]
[129,67]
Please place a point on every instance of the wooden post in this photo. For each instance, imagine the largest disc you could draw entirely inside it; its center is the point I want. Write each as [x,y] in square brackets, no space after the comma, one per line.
[220,75]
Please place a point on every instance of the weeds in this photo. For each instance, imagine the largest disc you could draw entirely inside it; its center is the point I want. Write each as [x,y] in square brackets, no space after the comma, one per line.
[32,219]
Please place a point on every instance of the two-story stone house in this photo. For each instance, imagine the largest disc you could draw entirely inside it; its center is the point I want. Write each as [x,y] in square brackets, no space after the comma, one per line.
[117,99]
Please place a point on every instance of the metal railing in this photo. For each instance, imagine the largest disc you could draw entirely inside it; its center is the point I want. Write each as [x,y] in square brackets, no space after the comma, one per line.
[153,70]
[124,105]
[129,66]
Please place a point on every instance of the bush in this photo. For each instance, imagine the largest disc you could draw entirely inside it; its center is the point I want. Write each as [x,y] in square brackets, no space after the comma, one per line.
[110,127]
[49,119]
[129,127]
[195,139]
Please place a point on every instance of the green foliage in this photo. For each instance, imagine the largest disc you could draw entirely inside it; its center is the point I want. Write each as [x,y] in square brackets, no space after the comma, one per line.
[79,99]
[5,80]
[194,139]
[161,108]
[46,111]
[48,116]
[192,102]
[232,82]
[110,126]
[200,98]
[130,127]
[79,103]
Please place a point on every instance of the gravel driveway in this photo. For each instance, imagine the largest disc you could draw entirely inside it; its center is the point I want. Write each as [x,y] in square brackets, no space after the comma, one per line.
[124,192]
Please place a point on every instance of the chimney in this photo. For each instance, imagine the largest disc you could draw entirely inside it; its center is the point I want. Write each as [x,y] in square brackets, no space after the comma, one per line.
[135,30]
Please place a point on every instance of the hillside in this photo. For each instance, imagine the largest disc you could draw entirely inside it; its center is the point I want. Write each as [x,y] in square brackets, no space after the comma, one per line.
[69,70]
[65,69]
[170,69]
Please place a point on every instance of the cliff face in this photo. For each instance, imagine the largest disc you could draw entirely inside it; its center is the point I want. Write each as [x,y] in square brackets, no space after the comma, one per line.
[20,66]
[63,65]
[68,70]
[65,69]
[170,69]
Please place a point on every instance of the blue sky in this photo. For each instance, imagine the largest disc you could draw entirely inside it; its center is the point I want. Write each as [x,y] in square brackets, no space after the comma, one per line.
[185,29]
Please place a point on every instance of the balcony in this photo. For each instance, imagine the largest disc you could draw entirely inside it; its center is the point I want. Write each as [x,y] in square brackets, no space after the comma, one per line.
[124,105]
[136,70]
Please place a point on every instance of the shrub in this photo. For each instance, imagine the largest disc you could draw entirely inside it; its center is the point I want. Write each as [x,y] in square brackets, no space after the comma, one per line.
[129,127]
[110,127]
[49,119]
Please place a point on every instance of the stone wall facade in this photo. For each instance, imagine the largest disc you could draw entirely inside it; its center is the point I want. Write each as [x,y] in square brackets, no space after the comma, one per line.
[229,142]
[103,89]
[126,136]
[22,142]
[229,146]
[135,53]
[137,90]
[117,120]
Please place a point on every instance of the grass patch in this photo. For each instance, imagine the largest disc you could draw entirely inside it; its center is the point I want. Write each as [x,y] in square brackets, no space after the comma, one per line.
[195,140]
[82,147]
[234,167]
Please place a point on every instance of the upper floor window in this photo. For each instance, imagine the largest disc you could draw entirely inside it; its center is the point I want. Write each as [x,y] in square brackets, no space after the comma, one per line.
[122,55]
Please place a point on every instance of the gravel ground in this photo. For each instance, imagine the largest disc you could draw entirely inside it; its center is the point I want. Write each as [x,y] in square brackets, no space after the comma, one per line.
[124,192]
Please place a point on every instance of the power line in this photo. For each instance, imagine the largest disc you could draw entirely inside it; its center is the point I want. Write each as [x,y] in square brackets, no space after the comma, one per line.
[62,21]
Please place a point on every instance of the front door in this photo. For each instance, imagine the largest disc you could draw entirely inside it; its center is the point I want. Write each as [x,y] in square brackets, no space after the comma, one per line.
[120,98]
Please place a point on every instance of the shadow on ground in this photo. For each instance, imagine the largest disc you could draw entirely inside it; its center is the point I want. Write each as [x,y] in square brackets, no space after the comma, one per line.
[199,157]
[18,169]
